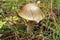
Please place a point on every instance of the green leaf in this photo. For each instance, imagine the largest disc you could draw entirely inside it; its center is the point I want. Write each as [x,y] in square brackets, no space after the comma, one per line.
[58,3]
[15,18]
[5,19]
[57,36]
[1,24]
[27,1]
[59,18]
[58,29]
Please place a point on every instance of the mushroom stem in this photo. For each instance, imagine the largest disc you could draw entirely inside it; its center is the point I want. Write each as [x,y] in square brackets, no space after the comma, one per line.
[30,27]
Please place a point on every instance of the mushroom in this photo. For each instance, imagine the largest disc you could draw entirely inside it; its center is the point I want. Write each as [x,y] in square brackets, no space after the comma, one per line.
[31,12]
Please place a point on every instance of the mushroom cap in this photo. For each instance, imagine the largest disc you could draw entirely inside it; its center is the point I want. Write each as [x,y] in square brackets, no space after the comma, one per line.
[31,12]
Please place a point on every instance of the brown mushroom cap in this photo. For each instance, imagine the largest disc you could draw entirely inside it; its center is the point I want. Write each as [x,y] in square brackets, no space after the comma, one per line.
[31,12]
